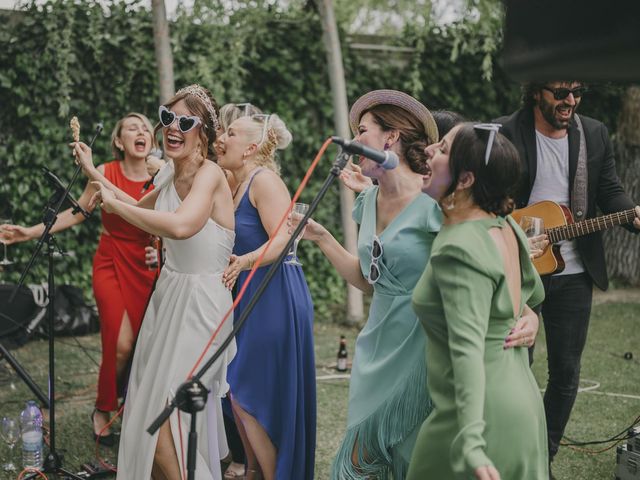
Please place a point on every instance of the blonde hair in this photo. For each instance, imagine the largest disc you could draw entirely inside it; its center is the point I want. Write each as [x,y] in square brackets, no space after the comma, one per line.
[117,130]
[230,112]
[268,137]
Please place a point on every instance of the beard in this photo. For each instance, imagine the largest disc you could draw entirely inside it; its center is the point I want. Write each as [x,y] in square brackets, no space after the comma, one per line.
[549,111]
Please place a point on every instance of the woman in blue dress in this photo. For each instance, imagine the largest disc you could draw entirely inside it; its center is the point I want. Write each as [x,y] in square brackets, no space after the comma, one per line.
[388,398]
[272,378]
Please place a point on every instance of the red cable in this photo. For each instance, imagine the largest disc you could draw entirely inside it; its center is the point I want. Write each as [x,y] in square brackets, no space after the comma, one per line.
[256,265]
[31,470]
[97,451]
[258,261]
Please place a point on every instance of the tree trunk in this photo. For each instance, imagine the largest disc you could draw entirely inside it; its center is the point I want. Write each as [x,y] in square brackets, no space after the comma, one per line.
[331,40]
[622,248]
[164,57]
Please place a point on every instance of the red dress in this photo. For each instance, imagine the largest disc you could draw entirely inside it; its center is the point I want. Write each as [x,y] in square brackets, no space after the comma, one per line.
[121,282]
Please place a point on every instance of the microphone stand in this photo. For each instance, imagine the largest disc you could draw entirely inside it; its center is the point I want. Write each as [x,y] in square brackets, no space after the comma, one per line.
[53,461]
[189,395]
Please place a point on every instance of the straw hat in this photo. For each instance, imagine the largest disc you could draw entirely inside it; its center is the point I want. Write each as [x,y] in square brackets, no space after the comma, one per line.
[399,99]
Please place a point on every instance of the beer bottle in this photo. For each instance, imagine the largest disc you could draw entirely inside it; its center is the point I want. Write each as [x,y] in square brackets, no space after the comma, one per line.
[342,355]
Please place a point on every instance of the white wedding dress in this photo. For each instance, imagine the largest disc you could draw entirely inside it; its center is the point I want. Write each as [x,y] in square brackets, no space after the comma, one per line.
[187,305]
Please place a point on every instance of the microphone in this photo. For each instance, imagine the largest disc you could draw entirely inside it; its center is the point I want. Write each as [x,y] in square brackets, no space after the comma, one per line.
[157,153]
[386,159]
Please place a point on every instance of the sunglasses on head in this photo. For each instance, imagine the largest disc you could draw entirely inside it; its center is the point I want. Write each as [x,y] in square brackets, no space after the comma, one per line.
[561,93]
[492,128]
[264,118]
[186,123]
[244,107]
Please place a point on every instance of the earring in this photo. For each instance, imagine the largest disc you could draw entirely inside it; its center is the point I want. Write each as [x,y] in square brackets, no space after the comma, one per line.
[451,203]
[386,145]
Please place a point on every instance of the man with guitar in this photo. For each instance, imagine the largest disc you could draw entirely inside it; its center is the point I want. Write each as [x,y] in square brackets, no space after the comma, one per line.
[567,159]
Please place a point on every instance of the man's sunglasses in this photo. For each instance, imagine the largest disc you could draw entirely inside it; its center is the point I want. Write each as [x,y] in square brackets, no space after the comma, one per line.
[186,123]
[562,93]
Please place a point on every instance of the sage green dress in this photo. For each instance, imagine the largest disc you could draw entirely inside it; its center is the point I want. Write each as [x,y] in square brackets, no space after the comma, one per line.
[488,408]
[388,397]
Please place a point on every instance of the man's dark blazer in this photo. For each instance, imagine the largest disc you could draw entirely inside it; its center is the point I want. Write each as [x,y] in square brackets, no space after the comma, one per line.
[603,190]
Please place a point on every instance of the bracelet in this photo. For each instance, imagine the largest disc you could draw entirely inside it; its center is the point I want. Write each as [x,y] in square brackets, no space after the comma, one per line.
[251,260]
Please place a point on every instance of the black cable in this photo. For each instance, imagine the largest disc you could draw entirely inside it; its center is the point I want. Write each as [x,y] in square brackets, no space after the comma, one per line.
[45,335]
[83,348]
[623,435]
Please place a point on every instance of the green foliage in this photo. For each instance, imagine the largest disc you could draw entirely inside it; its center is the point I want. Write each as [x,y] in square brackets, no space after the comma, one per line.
[96,61]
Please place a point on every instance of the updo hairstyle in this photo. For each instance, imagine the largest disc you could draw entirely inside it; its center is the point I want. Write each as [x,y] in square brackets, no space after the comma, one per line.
[268,138]
[233,111]
[413,137]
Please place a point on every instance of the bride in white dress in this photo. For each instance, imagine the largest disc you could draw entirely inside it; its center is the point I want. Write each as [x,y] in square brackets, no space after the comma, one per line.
[192,210]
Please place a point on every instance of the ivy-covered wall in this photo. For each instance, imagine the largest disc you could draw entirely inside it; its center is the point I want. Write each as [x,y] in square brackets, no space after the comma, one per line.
[97,61]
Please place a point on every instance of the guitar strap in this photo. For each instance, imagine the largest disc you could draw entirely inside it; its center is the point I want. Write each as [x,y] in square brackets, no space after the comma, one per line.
[579,191]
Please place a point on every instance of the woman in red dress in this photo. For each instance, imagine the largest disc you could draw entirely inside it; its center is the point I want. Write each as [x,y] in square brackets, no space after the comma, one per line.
[122,279]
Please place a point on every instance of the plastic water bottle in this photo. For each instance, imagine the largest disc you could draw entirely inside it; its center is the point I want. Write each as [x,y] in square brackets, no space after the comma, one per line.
[31,423]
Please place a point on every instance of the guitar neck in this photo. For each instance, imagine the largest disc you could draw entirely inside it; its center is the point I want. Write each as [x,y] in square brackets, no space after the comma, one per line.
[585,227]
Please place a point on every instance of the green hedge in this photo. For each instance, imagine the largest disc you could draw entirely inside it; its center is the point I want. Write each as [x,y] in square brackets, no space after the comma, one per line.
[96,61]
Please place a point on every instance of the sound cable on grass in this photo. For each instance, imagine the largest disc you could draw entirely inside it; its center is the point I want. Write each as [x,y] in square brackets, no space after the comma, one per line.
[97,450]
[616,439]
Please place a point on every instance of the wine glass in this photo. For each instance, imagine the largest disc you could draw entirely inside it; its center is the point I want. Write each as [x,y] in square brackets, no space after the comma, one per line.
[10,434]
[5,260]
[299,211]
[533,228]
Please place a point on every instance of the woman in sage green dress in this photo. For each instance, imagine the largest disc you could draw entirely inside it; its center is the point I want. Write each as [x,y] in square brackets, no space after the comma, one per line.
[388,398]
[488,422]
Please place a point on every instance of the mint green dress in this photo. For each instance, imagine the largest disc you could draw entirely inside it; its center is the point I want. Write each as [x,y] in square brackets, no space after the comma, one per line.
[488,408]
[388,398]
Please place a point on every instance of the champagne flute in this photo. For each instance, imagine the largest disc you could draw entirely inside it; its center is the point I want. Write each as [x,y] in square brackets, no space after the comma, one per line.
[533,227]
[5,260]
[299,210]
[10,433]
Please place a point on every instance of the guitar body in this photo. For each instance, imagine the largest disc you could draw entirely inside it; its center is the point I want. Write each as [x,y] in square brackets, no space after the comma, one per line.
[553,215]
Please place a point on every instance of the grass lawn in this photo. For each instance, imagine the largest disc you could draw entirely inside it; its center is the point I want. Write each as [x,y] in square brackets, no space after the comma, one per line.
[598,413]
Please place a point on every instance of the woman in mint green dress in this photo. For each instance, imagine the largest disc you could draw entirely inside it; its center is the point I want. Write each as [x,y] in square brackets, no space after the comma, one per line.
[488,422]
[388,398]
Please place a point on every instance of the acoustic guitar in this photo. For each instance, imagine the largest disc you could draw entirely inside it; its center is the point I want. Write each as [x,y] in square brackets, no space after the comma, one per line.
[559,225]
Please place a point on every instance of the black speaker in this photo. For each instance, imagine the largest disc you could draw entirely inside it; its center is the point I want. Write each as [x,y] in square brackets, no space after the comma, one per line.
[572,40]
[15,316]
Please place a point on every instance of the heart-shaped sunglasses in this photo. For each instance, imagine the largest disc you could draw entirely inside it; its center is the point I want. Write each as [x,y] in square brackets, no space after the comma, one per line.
[186,123]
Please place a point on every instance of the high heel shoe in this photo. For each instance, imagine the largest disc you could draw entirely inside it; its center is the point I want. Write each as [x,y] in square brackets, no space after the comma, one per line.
[106,440]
